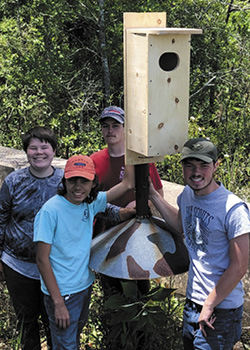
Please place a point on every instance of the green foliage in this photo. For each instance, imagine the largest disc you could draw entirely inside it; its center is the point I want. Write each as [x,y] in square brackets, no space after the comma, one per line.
[42,76]
[51,70]
[170,169]
[143,321]
[9,338]
[220,76]
[16,340]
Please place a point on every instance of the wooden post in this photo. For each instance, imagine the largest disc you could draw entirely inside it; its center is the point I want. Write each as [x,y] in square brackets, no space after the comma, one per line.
[141,185]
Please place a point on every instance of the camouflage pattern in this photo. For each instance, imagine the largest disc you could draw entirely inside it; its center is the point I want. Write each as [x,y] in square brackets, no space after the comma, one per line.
[139,249]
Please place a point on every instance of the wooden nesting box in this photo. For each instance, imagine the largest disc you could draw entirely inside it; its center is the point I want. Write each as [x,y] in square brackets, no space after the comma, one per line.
[157,90]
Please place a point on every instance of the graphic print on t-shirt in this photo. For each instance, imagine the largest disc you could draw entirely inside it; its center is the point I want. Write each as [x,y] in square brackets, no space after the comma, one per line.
[197,224]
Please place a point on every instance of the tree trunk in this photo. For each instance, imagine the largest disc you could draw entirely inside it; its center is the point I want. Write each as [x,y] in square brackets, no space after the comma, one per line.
[104,56]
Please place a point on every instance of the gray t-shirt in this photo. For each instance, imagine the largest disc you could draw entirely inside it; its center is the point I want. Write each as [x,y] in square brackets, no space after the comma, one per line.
[209,223]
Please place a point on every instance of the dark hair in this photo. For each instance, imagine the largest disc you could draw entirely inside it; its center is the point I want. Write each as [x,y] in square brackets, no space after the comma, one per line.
[41,133]
[91,197]
[194,158]
[102,121]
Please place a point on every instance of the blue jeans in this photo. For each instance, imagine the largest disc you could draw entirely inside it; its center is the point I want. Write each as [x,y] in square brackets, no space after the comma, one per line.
[226,333]
[78,308]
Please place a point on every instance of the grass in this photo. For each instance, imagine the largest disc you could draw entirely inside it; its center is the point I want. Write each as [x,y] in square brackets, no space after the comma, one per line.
[8,332]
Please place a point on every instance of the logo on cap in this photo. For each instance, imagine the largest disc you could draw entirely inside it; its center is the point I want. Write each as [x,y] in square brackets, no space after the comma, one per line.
[197,147]
[113,112]
[80,166]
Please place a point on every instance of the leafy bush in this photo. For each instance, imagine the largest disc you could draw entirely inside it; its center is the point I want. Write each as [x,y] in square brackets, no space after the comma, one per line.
[144,321]
[134,321]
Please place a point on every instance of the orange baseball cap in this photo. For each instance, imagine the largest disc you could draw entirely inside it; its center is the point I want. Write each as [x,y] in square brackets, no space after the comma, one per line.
[80,166]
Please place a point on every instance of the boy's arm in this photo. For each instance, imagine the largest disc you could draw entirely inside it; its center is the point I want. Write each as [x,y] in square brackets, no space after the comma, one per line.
[44,266]
[161,192]
[127,183]
[239,256]
[115,215]
[170,214]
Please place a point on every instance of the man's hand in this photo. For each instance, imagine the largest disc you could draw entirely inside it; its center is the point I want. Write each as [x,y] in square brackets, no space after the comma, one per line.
[206,318]
[129,176]
[127,213]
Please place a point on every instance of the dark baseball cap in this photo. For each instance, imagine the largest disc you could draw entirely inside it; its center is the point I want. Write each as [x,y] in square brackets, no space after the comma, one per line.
[199,148]
[114,112]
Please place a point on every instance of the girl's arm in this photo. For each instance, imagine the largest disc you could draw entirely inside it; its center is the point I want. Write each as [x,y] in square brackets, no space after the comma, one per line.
[44,266]
[127,183]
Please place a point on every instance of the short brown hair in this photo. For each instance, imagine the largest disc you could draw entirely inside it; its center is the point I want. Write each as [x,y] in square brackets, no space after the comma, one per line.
[41,133]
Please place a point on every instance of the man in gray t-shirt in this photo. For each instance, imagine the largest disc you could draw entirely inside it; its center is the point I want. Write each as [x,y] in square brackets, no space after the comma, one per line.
[216,226]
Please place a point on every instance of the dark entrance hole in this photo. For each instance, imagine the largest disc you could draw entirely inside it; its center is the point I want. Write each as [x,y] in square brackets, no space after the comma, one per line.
[168,61]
